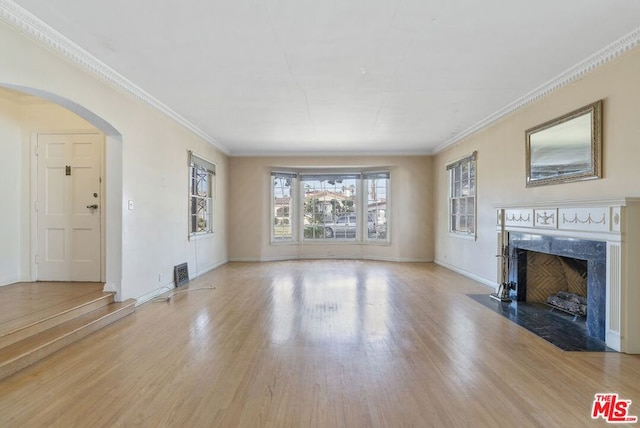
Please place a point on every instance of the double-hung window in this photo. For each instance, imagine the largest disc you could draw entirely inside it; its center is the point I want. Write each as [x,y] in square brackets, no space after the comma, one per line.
[377,193]
[283,185]
[201,186]
[462,196]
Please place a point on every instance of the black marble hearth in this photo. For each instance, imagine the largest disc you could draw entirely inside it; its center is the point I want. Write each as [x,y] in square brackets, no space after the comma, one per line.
[562,330]
[595,254]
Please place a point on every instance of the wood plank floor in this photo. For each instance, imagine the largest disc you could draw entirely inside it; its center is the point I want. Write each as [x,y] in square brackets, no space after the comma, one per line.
[25,300]
[317,344]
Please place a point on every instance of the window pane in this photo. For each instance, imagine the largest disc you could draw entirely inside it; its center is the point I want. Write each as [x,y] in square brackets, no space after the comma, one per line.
[200,203]
[462,200]
[471,222]
[328,202]
[462,223]
[282,206]
[376,216]
[455,206]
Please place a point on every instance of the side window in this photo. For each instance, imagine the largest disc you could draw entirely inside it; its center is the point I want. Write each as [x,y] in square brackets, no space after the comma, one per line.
[282,206]
[462,196]
[377,187]
[201,186]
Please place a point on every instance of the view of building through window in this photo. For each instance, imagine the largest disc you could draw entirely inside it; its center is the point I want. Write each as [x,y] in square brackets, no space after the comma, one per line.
[377,188]
[330,203]
[331,206]
[282,206]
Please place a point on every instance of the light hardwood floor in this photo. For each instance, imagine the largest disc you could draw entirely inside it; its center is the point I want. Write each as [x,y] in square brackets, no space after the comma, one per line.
[317,344]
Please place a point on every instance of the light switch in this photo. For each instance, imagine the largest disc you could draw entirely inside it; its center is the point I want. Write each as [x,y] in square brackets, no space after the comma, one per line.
[130,205]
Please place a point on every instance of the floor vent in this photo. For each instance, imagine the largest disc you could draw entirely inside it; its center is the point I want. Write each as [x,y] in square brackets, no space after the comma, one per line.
[181,274]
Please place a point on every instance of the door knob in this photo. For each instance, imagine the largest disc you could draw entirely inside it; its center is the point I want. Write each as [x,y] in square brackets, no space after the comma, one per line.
[93,207]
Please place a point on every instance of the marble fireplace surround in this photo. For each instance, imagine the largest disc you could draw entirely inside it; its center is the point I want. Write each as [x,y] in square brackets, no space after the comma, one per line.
[615,225]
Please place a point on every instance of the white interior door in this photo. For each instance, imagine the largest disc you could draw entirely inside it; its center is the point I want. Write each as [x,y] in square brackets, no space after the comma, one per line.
[69,207]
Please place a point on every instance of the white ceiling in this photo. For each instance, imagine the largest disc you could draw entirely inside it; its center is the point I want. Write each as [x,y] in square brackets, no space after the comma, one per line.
[338,76]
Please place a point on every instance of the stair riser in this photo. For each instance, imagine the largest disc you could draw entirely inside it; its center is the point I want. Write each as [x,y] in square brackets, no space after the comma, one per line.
[10,367]
[35,328]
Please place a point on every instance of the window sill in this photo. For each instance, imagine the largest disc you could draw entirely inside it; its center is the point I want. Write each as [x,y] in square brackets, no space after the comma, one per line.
[203,235]
[330,241]
[463,236]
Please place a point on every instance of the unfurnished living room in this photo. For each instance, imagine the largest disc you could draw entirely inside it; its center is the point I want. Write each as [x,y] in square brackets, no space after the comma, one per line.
[319,214]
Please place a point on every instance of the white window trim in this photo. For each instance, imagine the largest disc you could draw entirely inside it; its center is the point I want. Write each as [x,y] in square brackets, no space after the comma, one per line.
[356,239]
[292,209]
[386,240]
[297,207]
[450,166]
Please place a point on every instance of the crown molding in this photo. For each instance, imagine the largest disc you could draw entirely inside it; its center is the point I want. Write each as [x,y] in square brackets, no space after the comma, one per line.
[22,20]
[601,57]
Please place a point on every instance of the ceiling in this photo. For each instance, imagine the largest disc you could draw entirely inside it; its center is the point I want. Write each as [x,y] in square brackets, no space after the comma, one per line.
[338,76]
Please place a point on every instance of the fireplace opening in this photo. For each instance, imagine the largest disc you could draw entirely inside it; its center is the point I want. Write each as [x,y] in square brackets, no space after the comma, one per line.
[562,274]
[557,281]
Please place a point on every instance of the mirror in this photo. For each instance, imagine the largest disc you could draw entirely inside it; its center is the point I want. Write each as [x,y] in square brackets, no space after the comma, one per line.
[567,148]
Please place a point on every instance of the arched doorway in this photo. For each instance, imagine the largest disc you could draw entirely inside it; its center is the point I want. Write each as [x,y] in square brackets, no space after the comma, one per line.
[110,195]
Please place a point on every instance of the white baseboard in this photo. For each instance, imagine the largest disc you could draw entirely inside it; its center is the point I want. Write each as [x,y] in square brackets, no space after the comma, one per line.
[153,294]
[209,268]
[10,280]
[160,290]
[320,257]
[468,274]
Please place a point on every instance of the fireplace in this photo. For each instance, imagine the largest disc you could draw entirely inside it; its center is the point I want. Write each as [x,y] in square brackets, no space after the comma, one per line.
[566,273]
[603,234]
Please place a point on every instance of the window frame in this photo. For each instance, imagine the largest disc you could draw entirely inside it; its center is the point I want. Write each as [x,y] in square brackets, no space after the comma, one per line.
[297,207]
[326,175]
[201,164]
[471,162]
[292,206]
[371,175]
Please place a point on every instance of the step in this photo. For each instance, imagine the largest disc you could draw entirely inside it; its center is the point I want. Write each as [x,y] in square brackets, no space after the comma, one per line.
[21,354]
[18,329]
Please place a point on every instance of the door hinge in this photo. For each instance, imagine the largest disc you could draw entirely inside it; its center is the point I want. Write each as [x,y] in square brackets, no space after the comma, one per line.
[36,259]
[36,149]
[35,205]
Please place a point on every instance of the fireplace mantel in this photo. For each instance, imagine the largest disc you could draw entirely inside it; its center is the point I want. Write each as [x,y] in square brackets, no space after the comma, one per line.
[614,221]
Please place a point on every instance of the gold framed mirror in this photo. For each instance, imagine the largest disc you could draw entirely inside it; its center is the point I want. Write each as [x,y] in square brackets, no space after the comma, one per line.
[568,148]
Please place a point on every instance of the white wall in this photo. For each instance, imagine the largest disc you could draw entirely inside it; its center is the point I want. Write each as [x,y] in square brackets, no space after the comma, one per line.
[11,208]
[153,163]
[501,161]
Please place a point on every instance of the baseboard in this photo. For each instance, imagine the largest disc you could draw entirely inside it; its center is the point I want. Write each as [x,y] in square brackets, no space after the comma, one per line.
[160,290]
[153,294]
[209,268]
[10,280]
[320,257]
[398,259]
[468,274]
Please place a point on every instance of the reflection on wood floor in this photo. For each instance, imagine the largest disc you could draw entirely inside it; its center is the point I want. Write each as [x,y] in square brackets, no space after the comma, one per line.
[317,343]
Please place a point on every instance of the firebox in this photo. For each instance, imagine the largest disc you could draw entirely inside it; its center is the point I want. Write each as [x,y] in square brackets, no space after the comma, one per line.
[565,273]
